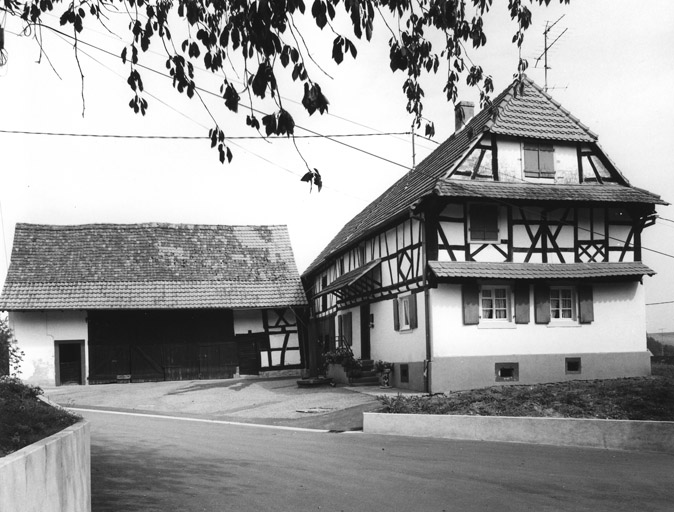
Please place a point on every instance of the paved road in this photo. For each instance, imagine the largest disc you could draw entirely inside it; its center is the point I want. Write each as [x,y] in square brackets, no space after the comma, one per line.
[160,464]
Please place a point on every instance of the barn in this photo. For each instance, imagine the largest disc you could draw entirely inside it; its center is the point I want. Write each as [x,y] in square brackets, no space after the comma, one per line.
[101,303]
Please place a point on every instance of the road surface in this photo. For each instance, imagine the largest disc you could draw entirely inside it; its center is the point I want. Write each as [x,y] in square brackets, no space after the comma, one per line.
[161,464]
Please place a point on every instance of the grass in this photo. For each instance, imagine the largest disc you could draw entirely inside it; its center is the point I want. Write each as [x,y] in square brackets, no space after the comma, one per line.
[25,419]
[641,398]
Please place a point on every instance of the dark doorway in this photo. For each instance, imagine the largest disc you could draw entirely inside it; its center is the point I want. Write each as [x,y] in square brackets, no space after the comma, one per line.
[69,361]
[248,348]
[365,331]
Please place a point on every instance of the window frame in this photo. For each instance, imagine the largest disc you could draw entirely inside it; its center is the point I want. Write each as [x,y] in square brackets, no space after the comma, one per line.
[573,309]
[492,288]
[538,148]
[405,318]
[479,234]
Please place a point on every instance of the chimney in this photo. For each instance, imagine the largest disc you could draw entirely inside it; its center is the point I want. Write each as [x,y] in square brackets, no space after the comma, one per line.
[463,112]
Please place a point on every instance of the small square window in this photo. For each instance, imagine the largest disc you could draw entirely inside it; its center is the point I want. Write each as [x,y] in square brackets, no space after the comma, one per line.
[572,365]
[507,372]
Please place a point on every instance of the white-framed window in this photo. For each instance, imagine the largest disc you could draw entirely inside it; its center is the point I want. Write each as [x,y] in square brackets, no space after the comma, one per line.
[483,222]
[405,313]
[495,303]
[539,160]
[562,303]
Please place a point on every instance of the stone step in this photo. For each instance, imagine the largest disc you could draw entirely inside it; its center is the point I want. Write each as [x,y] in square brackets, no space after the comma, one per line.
[364,381]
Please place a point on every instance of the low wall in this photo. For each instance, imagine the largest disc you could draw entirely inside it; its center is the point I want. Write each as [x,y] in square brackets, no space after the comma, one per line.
[52,475]
[611,434]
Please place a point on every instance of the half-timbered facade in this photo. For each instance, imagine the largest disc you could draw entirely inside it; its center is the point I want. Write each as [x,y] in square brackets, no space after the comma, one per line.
[511,254]
[148,302]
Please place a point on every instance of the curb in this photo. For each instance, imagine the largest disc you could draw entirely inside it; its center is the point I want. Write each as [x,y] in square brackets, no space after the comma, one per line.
[628,435]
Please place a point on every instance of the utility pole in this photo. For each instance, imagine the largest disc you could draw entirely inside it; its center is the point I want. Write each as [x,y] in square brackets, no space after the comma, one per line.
[546,47]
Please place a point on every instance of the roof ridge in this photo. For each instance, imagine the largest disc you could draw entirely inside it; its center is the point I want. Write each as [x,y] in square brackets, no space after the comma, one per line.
[113,225]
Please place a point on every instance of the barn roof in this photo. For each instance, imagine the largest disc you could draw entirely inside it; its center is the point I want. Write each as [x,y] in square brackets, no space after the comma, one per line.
[151,266]
[521,110]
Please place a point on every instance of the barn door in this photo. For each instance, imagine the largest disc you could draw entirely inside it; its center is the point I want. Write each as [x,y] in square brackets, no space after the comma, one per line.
[217,361]
[248,348]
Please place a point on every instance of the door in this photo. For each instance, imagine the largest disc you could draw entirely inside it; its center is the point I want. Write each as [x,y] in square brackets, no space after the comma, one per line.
[69,359]
[217,361]
[365,331]
[248,348]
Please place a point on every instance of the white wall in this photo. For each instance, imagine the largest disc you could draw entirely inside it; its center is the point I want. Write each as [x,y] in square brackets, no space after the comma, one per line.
[619,326]
[248,320]
[36,332]
[390,345]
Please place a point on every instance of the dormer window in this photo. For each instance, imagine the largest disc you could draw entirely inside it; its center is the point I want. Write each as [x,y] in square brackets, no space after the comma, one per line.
[539,160]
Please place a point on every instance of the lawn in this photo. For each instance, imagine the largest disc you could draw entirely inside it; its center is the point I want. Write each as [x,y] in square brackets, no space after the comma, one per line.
[641,398]
[24,418]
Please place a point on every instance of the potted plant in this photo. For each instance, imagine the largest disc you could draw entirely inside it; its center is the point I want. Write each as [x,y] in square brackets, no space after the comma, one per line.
[385,369]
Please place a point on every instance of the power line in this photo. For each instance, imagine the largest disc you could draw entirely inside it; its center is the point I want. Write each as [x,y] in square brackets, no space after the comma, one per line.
[658,303]
[192,137]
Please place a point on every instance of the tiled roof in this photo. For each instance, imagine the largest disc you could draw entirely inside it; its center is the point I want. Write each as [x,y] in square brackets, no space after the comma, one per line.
[159,266]
[534,113]
[608,193]
[473,269]
[349,278]
[521,112]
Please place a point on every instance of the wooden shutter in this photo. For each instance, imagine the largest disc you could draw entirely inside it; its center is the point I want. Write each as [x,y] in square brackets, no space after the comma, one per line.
[471,303]
[542,304]
[348,330]
[413,311]
[586,305]
[396,315]
[522,309]
[340,329]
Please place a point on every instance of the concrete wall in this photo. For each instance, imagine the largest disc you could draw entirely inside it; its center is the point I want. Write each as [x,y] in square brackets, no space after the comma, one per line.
[52,475]
[458,373]
[653,436]
[36,332]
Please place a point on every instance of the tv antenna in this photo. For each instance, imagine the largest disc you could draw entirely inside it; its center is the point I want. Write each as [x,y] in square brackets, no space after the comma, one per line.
[547,46]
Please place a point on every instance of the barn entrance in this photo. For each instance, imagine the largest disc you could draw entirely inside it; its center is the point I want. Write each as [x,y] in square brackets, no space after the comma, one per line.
[69,362]
[141,346]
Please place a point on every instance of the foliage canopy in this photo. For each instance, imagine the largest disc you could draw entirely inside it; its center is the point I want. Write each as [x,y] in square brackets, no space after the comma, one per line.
[258,40]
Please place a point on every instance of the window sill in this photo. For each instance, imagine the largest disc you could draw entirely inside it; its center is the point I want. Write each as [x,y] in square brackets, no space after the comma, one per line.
[486,324]
[569,323]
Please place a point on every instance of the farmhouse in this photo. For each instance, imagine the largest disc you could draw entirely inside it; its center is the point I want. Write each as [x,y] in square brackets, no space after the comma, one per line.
[511,254]
[146,302]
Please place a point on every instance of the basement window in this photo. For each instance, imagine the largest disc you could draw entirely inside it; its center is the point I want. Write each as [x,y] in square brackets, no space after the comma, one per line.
[572,365]
[507,372]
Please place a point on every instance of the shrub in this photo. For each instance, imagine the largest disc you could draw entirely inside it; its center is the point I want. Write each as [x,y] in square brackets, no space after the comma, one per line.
[10,353]
[26,419]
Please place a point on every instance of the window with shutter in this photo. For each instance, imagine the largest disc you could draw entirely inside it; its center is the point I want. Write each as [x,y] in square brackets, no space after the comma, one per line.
[483,223]
[495,303]
[539,161]
[542,304]
[471,303]
[405,313]
[585,304]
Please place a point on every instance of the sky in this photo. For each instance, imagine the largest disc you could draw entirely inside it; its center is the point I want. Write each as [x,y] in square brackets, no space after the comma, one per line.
[612,67]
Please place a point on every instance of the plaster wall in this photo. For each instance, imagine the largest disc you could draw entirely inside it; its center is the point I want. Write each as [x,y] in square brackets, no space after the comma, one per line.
[394,346]
[36,332]
[619,326]
[248,321]
[511,158]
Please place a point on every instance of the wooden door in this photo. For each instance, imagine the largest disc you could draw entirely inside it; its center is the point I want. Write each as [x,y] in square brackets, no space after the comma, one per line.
[69,359]
[217,361]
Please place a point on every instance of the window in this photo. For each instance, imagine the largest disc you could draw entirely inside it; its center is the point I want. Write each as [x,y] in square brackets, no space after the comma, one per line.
[404,373]
[572,365]
[562,303]
[507,372]
[405,313]
[495,303]
[484,222]
[324,298]
[539,161]
[344,330]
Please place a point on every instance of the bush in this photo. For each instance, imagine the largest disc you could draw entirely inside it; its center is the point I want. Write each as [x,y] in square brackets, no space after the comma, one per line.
[10,354]
[26,419]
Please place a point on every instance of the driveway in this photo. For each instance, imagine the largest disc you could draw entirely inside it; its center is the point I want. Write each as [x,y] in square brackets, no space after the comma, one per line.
[266,401]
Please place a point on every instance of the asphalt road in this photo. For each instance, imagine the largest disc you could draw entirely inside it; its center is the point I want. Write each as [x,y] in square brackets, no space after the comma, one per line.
[161,464]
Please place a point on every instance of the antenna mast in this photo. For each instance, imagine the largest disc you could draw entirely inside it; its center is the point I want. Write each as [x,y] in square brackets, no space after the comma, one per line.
[546,47]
